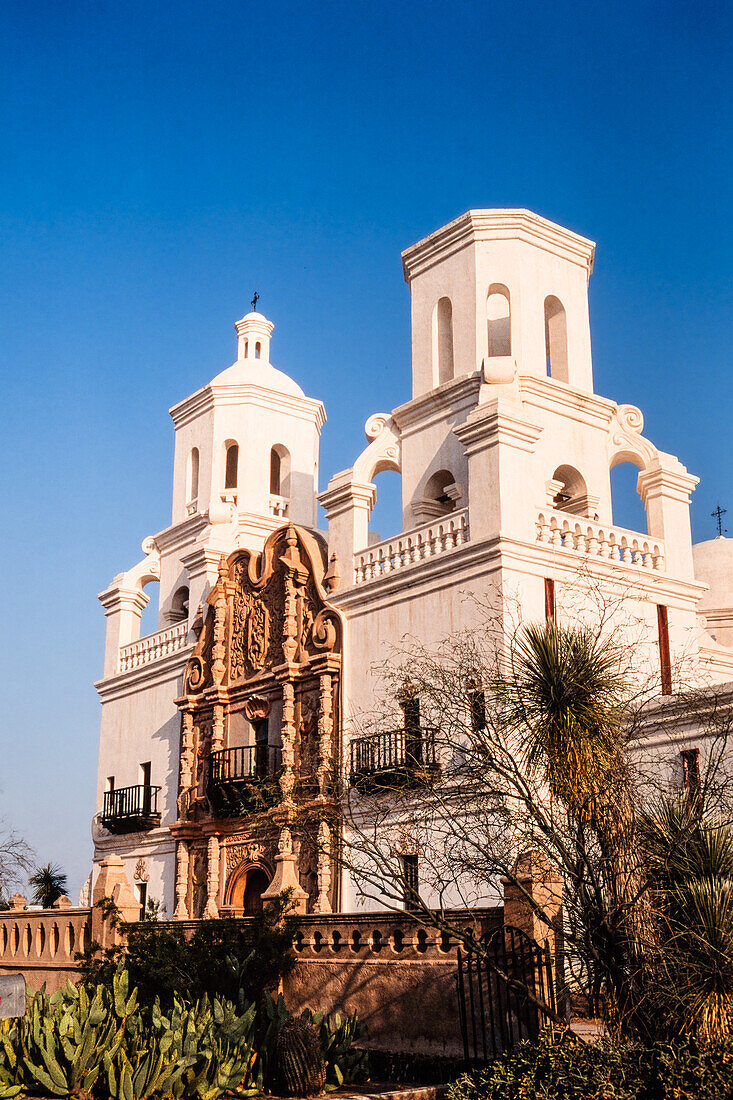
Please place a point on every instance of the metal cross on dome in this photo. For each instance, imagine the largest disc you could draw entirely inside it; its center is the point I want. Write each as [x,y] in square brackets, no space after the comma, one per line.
[718,515]
[255,300]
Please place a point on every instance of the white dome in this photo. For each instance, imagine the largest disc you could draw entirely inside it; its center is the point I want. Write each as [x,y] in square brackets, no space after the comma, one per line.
[258,372]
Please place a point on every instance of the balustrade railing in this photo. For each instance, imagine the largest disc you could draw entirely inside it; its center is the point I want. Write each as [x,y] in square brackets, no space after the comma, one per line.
[129,809]
[563,531]
[279,506]
[411,547]
[244,763]
[392,751]
[153,647]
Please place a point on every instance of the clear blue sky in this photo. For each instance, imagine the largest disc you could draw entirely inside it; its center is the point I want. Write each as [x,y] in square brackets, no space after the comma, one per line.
[160,160]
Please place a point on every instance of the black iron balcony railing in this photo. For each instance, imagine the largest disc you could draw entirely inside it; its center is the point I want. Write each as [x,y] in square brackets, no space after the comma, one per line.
[398,757]
[237,776]
[131,809]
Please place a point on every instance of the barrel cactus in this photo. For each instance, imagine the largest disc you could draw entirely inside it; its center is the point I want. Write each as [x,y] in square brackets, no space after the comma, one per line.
[301,1066]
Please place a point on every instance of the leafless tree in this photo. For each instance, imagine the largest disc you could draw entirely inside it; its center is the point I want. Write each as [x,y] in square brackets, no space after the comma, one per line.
[538,739]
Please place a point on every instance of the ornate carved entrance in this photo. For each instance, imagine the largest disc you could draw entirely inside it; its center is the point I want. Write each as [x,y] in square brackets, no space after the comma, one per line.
[259,729]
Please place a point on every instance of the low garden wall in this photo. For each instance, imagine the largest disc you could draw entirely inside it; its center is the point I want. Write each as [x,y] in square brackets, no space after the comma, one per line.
[398,976]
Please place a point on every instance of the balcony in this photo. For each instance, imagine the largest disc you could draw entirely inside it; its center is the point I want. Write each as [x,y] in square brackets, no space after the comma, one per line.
[404,551]
[131,809]
[564,532]
[394,758]
[153,647]
[243,779]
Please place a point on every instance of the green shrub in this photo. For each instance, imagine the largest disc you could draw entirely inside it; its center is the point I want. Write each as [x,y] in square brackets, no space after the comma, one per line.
[560,1067]
[237,960]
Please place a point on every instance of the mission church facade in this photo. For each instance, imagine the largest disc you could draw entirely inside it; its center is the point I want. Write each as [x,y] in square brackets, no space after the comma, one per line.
[231,727]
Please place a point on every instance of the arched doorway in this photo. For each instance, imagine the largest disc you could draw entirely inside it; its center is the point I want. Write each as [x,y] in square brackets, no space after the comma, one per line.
[246,888]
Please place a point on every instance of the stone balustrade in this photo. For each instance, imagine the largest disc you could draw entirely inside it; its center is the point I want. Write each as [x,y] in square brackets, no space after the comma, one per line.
[279,506]
[41,943]
[411,547]
[154,646]
[563,531]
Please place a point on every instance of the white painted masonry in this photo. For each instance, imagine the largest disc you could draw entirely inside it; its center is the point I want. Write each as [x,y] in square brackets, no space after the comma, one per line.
[505,454]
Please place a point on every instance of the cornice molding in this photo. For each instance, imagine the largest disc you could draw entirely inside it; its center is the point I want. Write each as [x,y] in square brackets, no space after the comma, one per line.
[212,396]
[449,399]
[497,225]
[157,672]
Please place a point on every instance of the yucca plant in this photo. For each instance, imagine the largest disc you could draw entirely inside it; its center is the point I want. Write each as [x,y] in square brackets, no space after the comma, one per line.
[690,855]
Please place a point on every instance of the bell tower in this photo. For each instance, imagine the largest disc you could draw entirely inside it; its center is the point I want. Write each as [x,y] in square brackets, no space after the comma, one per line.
[502,289]
[246,462]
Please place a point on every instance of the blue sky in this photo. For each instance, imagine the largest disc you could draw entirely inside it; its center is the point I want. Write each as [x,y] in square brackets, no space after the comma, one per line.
[162,160]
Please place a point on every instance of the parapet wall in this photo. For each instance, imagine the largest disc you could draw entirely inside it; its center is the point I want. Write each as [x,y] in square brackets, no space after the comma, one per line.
[40,944]
[399,977]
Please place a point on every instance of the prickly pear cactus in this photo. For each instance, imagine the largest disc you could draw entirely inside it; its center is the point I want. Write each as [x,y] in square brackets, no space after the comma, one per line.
[301,1067]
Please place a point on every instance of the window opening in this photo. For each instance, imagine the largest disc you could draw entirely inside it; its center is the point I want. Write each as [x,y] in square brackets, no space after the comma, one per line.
[232,464]
[691,775]
[142,891]
[443,367]
[476,705]
[275,472]
[193,476]
[261,729]
[498,322]
[556,339]
[410,881]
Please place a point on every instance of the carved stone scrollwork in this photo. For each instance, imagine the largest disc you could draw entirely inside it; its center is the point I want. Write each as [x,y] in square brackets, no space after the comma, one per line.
[324,634]
[195,674]
[141,871]
[256,708]
[253,851]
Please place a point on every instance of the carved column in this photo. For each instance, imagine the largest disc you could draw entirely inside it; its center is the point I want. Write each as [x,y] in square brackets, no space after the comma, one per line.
[182,859]
[323,903]
[325,732]
[291,561]
[287,779]
[217,728]
[218,667]
[186,772]
[212,877]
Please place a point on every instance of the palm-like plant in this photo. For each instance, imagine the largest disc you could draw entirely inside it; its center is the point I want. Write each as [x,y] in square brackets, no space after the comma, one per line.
[48,884]
[690,855]
[566,699]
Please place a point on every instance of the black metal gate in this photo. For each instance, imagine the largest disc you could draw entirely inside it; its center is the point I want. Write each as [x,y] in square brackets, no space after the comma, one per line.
[496,1014]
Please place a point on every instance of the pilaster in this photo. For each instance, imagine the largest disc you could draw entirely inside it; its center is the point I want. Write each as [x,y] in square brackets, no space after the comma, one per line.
[498,442]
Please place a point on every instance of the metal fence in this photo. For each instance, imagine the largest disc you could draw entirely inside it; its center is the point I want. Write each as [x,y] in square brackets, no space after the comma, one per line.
[496,1012]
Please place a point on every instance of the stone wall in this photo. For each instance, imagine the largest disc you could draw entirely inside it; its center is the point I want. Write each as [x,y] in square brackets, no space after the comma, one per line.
[399,977]
[40,943]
